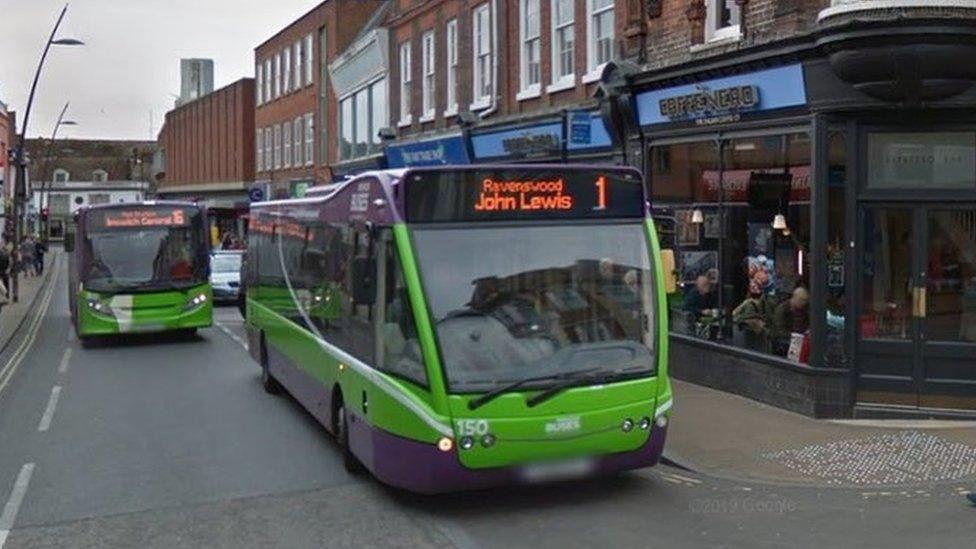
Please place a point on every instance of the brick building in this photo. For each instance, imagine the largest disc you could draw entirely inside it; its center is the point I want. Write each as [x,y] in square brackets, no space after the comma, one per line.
[8,134]
[207,151]
[295,139]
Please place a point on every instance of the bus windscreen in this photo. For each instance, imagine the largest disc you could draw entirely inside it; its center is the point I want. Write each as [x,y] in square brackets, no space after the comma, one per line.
[466,195]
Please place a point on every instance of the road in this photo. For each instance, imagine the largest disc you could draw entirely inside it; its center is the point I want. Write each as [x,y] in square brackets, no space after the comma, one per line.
[172,443]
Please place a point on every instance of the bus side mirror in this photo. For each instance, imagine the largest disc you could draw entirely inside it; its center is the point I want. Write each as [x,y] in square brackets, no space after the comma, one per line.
[364,280]
[69,242]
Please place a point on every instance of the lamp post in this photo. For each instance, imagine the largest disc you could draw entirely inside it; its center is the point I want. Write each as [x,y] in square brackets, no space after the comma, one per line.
[20,158]
[49,158]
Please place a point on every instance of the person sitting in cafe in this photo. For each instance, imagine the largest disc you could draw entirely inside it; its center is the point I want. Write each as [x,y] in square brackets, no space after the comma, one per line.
[751,320]
[792,316]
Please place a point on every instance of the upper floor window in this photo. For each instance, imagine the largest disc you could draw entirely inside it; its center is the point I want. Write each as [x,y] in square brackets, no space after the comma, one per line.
[268,159]
[299,64]
[258,84]
[286,145]
[298,135]
[277,146]
[721,19]
[563,43]
[310,60]
[482,52]
[361,116]
[268,76]
[452,63]
[61,175]
[99,176]
[309,139]
[259,150]
[599,33]
[405,79]
[531,46]
[286,71]
[277,75]
[428,73]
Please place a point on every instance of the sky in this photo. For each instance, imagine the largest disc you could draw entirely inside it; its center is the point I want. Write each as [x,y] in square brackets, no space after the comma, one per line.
[121,83]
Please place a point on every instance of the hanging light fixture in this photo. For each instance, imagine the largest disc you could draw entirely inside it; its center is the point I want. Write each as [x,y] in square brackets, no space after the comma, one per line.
[779,222]
[697,217]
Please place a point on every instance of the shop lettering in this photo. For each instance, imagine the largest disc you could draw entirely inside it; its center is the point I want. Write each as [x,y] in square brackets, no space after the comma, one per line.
[710,102]
[528,145]
[497,196]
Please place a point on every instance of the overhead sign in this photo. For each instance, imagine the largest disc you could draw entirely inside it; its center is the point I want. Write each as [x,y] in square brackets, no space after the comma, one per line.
[139,218]
[585,132]
[431,152]
[724,100]
[523,194]
[256,193]
[580,128]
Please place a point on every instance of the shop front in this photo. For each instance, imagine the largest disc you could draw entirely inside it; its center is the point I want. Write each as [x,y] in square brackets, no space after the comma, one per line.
[820,233]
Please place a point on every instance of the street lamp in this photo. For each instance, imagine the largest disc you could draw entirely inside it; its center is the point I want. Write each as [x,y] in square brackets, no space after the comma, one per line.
[49,158]
[20,159]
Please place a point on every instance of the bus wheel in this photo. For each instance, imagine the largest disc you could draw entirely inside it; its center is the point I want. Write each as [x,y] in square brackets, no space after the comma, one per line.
[270,384]
[349,461]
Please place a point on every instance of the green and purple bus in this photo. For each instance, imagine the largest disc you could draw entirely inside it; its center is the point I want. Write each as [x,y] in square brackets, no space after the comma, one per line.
[139,267]
[465,327]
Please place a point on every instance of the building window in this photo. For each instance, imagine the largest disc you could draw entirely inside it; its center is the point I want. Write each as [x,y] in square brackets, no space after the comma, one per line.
[740,280]
[277,76]
[268,159]
[563,44]
[405,79]
[379,99]
[347,127]
[452,61]
[99,176]
[259,85]
[286,72]
[310,61]
[361,115]
[299,64]
[531,46]
[309,139]
[61,175]
[721,20]
[277,146]
[259,150]
[286,142]
[482,52]
[267,81]
[427,84]
[298,135]
[599,35]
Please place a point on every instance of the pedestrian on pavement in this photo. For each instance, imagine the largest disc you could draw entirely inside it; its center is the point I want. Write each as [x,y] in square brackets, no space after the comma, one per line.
[27,256]
[5,269]
[39,250]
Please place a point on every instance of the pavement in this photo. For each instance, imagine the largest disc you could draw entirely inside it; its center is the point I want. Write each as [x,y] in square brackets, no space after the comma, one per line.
[164,442]
[13,314]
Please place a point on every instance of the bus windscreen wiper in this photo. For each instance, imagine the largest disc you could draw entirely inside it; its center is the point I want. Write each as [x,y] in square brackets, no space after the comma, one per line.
[495,393]
[579,378]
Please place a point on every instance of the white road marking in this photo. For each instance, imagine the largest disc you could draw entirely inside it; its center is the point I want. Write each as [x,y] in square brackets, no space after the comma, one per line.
[8,370]
[65,358]
[52,403]
[238,339]
[13,504]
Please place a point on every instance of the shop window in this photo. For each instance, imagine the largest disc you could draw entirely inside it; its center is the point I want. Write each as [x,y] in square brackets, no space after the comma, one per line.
[722,20]
[921,160]
[835,355]
[737,226]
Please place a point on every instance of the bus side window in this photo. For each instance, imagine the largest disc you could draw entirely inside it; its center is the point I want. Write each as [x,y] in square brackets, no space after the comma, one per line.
[401,354]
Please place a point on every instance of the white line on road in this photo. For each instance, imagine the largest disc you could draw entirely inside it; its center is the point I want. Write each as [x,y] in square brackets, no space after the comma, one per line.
[65,358]
[52,403]
[8,370]
[231,335]
[13,504]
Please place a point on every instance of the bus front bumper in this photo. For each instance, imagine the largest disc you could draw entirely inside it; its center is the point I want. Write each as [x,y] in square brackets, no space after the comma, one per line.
[423,468]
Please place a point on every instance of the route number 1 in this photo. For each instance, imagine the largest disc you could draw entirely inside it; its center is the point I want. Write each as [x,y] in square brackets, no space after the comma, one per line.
[601,193]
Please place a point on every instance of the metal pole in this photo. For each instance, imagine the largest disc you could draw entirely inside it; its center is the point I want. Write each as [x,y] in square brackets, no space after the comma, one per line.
[48,158]
[20,190]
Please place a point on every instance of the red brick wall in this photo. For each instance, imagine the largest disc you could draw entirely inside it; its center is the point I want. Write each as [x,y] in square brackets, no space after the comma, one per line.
[342,20]
[210,140]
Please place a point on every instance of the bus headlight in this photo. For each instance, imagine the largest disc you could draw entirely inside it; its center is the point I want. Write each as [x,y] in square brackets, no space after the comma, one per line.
[445,444]
[197,301]
[662,421]
[100,307]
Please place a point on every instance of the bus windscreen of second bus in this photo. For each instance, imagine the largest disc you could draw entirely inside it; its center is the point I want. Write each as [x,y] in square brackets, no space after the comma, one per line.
[546,292]
[144,249]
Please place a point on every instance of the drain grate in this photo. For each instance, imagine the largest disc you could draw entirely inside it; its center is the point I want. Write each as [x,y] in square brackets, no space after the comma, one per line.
[893,458]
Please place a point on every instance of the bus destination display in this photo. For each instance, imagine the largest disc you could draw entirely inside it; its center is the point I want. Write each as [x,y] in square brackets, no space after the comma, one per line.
[140,217]
[530,194]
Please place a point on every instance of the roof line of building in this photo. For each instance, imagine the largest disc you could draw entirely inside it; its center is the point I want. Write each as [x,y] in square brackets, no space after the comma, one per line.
[290,25]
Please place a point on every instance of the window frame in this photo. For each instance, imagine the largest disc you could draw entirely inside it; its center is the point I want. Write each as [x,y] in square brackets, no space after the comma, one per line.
[298,138]
[451,61]
[268,149]
[267,81]
[594,68]
[309,139]
[259,84]
[299,73]
[715,33]
[309,59]
[286,71]
[428,74]
[286,145]
[405,57]
[528,39]
[481,101]
[259,149]
[277,75]
[561,81]
[99,172]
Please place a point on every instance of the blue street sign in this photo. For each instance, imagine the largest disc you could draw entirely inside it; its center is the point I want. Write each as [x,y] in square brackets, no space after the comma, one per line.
[580,128]
[256,194]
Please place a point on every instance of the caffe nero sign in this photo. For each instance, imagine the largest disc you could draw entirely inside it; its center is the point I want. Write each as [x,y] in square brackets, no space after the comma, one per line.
[707,102]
